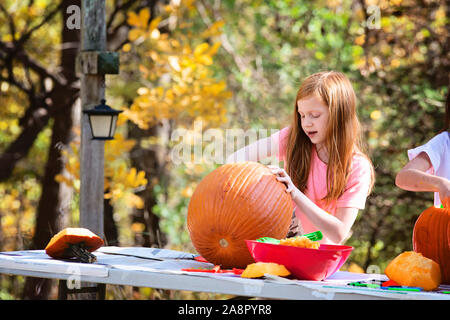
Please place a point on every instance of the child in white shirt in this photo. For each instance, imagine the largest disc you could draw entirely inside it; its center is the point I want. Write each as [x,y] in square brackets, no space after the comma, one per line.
[429,166]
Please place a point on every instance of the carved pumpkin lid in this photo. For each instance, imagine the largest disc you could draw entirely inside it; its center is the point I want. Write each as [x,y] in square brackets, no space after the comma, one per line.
[60,243]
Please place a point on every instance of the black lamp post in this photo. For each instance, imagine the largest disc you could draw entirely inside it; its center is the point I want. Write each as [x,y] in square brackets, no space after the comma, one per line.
[102,120]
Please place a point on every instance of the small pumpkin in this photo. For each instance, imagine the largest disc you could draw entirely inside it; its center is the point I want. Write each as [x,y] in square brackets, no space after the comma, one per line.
[233,203]
[431,237]
[414,270]
[74,242]
[258,269]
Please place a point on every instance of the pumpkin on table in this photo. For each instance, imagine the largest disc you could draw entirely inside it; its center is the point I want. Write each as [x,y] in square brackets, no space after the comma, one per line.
[233,203]
[431,237]
[74,242]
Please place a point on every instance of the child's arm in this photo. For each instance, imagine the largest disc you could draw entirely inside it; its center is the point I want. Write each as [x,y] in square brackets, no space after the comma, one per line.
[335,227]
[255,151]
[413,177]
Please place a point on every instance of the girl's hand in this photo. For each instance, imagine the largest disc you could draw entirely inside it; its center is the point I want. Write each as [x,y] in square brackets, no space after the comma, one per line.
[284,177]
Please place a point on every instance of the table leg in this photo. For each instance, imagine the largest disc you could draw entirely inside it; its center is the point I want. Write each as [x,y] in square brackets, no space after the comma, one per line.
[62,290]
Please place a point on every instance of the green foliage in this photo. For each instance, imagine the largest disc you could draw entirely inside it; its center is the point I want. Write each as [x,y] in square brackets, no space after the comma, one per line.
[273,45]
[270,46]
[259,51]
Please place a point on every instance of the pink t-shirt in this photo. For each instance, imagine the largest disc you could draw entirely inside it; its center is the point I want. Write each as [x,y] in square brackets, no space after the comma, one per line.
[355,193]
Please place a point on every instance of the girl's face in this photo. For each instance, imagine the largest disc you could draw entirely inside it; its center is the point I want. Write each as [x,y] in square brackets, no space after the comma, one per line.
[314,116]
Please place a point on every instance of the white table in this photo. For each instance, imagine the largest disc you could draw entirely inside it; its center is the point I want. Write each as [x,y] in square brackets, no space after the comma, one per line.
[160,268]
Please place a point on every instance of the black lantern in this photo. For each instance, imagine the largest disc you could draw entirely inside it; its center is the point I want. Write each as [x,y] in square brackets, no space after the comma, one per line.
[102,119]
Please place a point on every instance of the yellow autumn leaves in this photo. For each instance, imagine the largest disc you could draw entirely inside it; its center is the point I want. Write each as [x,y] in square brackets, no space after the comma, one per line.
[392,54]
[142,28]
[17,210]
[120,181]
[179,81]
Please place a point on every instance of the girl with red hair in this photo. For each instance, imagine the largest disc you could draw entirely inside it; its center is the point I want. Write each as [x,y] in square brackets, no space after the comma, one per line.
[325,170]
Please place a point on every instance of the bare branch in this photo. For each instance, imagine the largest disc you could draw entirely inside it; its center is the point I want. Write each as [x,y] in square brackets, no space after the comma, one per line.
[9,16]
[13,81]
[27,61]
[20,147]
[27,34]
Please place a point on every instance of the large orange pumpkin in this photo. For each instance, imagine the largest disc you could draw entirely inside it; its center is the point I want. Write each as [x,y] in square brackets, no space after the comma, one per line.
[431,236]
[237,202]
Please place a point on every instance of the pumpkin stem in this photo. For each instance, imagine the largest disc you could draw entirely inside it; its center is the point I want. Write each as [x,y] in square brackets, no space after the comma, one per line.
[79,251]
[223,243]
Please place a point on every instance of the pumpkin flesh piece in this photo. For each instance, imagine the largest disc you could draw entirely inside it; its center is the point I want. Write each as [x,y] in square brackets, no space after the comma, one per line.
[259,269]
[414,270]
[300,242]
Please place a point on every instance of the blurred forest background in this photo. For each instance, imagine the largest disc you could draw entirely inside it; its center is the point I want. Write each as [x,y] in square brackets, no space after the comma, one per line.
[229,64]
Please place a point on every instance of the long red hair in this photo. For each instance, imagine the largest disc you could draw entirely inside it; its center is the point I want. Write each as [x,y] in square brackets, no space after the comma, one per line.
[447,111]
[343,134]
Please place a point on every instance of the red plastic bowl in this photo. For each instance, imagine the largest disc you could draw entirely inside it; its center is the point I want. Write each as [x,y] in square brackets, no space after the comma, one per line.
[303,263]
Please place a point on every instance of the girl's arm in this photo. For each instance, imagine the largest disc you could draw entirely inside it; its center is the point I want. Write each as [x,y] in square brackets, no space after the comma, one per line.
[413,177]
[256,151]
[335,227]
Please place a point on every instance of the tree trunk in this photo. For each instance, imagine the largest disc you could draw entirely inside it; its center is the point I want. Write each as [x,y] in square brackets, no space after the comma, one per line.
[111,232]
[152,161]
[20,147]
[54,204]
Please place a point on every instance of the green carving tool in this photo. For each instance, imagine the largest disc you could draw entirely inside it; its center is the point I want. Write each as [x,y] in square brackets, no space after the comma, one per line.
[313,236]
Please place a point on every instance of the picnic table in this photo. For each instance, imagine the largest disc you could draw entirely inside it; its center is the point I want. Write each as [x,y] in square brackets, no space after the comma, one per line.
[166,269]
